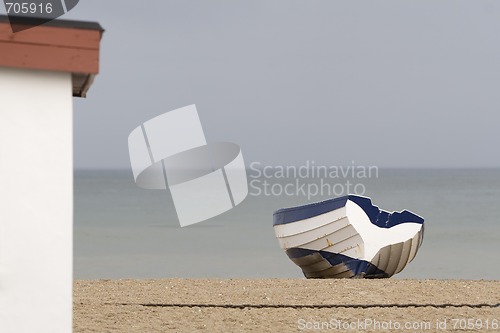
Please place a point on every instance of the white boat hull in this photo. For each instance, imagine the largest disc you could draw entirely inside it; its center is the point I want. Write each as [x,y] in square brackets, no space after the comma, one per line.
[348,237]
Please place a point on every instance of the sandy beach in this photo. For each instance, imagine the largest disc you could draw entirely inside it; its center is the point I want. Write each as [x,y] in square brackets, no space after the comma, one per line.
[286,305]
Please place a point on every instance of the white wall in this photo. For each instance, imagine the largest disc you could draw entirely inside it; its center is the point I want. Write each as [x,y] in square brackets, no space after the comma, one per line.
[36,201]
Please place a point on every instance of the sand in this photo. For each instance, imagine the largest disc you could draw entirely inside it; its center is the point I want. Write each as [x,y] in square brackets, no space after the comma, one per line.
[286,305]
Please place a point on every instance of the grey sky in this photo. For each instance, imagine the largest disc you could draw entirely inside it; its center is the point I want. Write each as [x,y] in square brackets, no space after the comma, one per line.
[387,83]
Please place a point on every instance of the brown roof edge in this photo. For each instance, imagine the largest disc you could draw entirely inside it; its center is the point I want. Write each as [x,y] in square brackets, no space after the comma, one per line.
[58,45]
[85,25]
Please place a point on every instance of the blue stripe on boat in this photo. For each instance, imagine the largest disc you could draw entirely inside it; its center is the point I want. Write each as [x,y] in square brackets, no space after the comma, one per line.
[383,218]
[289,215]
[359,268]
[377,216]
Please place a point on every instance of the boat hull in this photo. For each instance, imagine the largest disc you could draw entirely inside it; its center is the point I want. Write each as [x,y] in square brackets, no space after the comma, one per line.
[348,237]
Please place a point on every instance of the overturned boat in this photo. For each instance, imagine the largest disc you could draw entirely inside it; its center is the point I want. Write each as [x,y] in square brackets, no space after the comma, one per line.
[348,237]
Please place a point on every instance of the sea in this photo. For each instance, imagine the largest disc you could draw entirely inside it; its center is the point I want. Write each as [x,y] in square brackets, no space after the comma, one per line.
[122,231]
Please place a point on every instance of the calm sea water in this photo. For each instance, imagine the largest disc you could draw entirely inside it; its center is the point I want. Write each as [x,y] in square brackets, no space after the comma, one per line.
[122,231]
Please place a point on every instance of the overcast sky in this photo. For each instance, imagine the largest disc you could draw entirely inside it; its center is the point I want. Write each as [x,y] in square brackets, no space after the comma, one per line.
[386,83]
